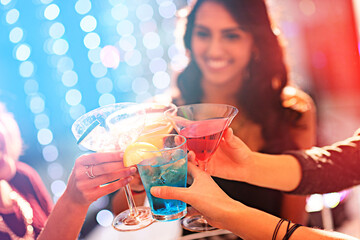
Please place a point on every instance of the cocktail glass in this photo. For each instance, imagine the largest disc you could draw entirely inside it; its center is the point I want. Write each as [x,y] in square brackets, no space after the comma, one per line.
[156,123]
[165,167]
[203,126]
[112,128]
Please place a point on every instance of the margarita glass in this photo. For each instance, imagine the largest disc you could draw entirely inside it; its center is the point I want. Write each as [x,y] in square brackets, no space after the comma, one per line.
[112,128]
[203,126]
[155,123]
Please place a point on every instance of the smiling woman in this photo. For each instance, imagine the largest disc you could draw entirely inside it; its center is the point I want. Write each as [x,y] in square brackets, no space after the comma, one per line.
[213,43]
[236,58]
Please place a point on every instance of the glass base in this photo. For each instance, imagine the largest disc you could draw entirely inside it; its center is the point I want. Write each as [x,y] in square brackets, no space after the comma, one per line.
[167,218]
[196,223]
[125,222]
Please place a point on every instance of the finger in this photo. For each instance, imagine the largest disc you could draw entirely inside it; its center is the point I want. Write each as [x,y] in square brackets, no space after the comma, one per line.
[179,139]
[100,181]
[231,140]
[98,158]
[191,156]
[177,193]
[103,190]
[194,170]
[110,167]
[84,181]
[228,134]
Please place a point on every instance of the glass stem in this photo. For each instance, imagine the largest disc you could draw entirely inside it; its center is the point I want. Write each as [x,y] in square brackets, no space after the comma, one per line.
[130,199]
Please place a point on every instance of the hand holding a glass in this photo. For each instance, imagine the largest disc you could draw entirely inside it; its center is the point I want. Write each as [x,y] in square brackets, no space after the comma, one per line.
[218,206]
[93,176]
[109,174]
[112,128]
[162,165]
[232,160]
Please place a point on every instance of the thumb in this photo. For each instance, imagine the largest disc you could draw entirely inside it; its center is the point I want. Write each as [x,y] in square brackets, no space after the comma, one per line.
[177,193]
[232,141]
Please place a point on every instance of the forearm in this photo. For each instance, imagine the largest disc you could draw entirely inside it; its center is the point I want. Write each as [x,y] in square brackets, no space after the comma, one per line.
[281,172]
[293,208]
[253,224]
[65,220]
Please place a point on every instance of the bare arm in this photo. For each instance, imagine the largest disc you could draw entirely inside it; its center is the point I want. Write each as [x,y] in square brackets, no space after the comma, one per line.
[68,215]
[223,212]
[235,161]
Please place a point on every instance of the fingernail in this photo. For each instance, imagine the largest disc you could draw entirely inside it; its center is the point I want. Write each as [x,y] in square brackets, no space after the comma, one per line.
[129,179]
[155,191]
[133,170]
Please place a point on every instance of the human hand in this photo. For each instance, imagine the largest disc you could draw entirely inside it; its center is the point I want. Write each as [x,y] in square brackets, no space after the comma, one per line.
[136,184]
[97,174]
[232,159]
[204,195]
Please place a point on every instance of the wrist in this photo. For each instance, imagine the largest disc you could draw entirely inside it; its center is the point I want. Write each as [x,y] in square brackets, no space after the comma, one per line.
[73,202]
[233,210]
[249,168]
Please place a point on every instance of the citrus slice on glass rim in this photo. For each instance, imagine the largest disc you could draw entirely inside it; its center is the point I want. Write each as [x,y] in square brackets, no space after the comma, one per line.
[139,151]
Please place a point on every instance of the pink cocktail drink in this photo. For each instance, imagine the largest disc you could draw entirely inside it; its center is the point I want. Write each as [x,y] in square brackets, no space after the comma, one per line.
[203,138]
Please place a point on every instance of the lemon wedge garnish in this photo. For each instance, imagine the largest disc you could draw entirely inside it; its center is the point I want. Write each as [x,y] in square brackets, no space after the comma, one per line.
[139,151]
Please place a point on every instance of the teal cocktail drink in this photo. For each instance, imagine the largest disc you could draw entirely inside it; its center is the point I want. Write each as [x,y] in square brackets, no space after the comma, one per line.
[166,166]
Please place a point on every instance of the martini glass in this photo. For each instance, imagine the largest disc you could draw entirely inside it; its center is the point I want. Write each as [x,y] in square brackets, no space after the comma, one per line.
[203,126]
[112,128]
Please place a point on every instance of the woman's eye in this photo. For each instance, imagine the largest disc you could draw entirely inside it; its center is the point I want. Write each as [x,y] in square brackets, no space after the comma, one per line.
[202,34]
[232,36]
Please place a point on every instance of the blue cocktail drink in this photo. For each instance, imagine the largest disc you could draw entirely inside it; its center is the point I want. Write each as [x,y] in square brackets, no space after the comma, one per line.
[166,167]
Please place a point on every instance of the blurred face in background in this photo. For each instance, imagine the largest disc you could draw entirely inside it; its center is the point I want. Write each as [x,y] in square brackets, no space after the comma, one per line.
[7,162]
[10,145]
[220,47]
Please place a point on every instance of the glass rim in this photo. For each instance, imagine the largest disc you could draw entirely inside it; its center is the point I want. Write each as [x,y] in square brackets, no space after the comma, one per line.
[90,113]
[234,113]
[170,106]
[167,149]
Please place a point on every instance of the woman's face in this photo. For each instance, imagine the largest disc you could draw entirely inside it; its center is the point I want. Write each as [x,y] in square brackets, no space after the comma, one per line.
[221,49]
[7,157]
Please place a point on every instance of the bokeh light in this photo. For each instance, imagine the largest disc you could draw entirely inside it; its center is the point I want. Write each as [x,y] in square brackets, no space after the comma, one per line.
[45,136]
[22,52]
[110,56]
[16,35]
[51,12]
[56,30]
[104,218]
[12,16]
[82,6]
[50,153]
[88,23]
[26,69]
[58,187]
[92,40]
